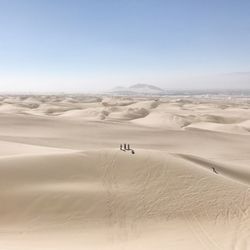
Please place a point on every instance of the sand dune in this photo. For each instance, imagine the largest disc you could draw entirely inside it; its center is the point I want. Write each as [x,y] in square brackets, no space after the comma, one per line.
[131,197]
[223,116]
[87,114]
[164,120]
[226,128]
[65,184]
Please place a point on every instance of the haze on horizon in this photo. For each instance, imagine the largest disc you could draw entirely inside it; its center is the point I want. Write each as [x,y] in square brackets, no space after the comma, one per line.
[93,45]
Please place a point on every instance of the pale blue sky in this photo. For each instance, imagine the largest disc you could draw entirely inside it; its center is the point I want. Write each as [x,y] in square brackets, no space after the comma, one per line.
[73,45]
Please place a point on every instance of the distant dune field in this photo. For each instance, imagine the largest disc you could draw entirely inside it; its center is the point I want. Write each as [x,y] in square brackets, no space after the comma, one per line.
[65,183]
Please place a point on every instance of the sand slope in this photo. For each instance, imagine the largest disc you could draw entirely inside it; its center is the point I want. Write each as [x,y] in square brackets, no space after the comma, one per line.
[124,199]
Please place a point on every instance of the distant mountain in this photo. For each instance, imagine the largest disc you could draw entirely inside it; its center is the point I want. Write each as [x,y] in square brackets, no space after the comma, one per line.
[140,88]
[145,86]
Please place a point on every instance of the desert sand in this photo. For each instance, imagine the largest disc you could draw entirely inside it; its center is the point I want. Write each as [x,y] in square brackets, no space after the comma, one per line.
[65,184]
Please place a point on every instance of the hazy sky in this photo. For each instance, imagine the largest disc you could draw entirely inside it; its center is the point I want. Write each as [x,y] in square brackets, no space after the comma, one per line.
[73,45]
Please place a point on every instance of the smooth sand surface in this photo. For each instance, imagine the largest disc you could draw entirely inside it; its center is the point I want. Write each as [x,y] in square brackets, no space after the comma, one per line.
[65,184]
